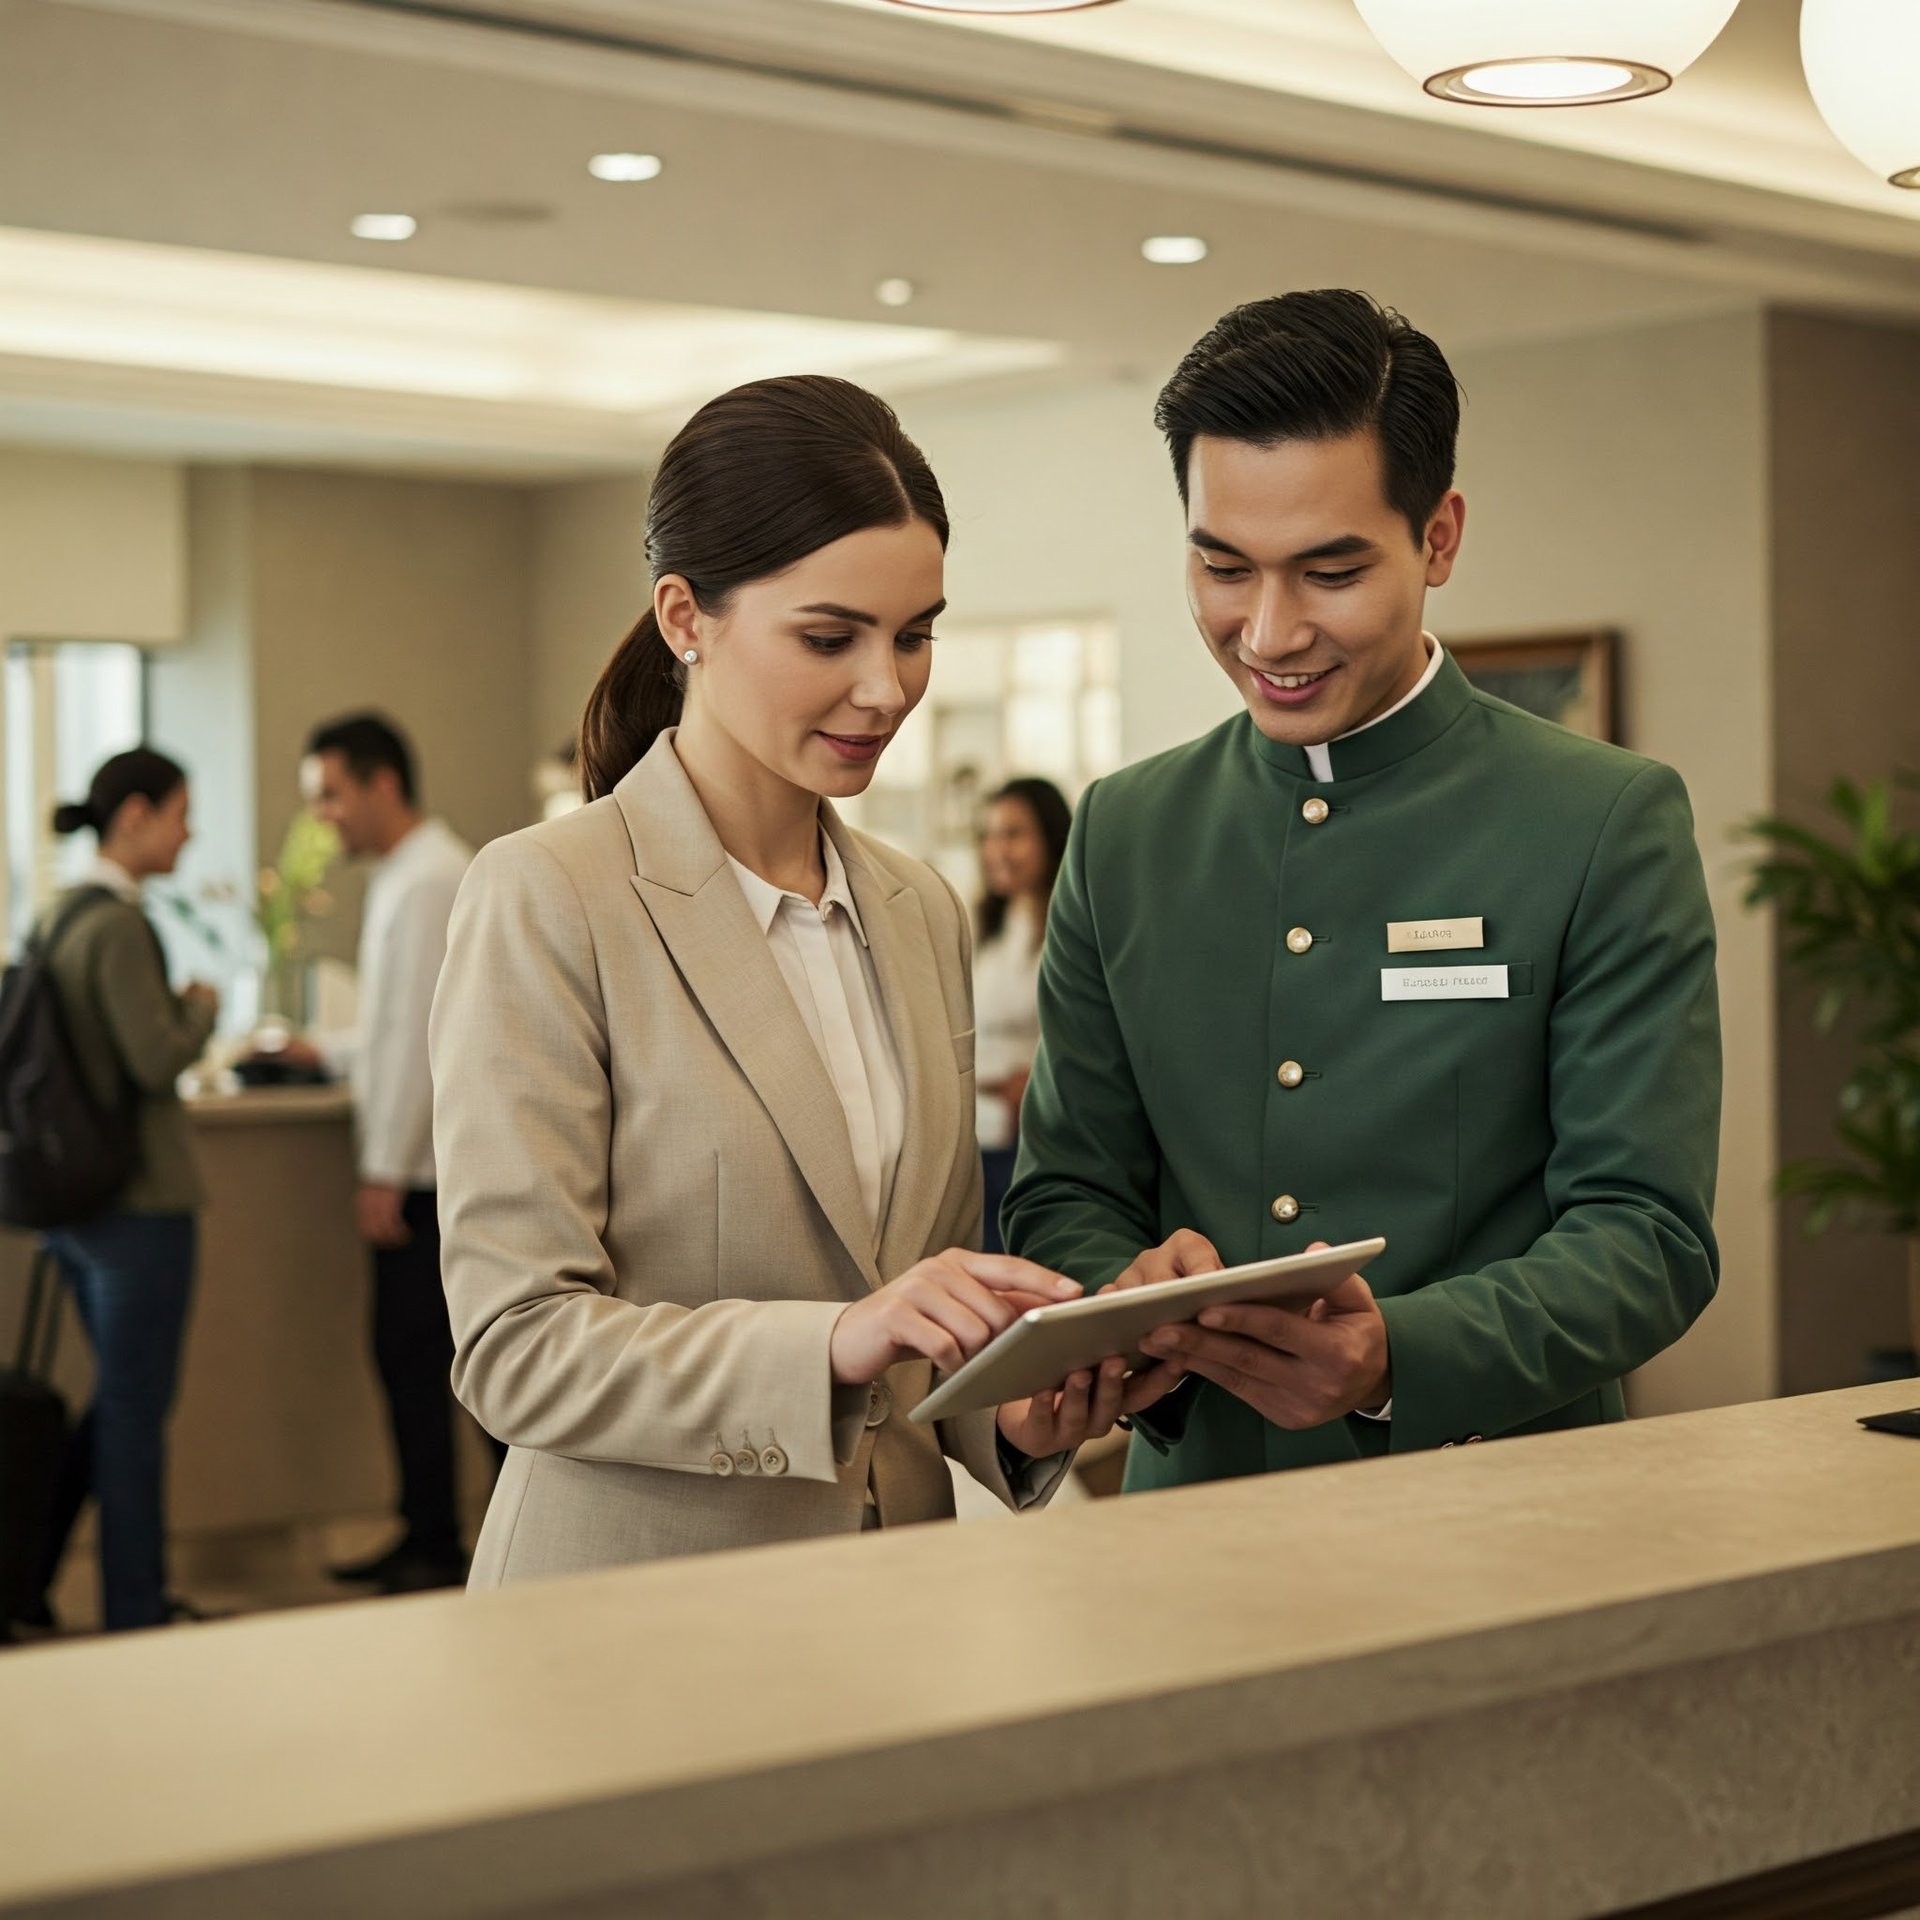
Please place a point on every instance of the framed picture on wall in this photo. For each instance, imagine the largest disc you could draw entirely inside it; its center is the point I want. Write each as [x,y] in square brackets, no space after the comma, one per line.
[1569,678]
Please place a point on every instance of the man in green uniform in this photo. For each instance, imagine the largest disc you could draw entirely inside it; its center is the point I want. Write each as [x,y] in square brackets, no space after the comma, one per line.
[1381,955]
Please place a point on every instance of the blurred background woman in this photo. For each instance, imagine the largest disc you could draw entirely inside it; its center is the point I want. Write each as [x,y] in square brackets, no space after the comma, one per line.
[130,1268]
[1022,842]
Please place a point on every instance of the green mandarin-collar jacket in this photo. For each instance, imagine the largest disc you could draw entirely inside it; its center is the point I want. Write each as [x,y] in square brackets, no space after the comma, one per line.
[1541,1166]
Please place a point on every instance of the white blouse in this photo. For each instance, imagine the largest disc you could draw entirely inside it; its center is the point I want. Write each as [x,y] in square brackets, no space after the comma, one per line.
[823,956]
[1006,1018]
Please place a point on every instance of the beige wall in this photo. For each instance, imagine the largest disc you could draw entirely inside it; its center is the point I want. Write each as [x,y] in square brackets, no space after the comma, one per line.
[407,595]
[1845,480]
[91,549]
[316,593]
[1620,481]
[1064,503]
[589,585]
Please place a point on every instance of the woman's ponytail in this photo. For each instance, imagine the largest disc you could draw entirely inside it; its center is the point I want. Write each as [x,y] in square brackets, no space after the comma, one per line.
[639,694]
[139,773]
[752,484]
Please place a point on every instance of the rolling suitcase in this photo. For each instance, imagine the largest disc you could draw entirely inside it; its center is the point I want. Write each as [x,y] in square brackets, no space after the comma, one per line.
[33,1437]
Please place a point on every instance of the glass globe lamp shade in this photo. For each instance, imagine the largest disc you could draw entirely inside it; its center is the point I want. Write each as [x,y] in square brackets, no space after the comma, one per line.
[1545,53]
[1863,64]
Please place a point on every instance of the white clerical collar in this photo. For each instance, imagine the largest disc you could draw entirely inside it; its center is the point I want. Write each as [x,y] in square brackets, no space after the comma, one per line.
[1320,758]
[115,878]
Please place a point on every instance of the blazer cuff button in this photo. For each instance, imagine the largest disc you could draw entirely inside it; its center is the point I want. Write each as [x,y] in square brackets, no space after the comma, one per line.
[722,1464]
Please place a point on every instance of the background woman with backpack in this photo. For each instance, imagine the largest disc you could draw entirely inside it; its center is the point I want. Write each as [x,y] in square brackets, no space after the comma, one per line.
[130,1266]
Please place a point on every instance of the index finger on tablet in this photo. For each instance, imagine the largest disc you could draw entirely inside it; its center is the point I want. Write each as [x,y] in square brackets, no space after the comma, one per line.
[1005,1273]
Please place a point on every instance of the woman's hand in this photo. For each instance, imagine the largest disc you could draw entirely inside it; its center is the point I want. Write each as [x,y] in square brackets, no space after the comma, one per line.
[1085,1406]
[944,1310]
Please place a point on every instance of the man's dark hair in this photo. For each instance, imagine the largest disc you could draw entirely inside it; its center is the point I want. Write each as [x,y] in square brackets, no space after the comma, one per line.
[1322,366]
[367,742]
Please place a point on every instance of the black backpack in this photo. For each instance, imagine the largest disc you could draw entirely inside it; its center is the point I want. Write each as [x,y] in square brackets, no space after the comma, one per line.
[64,1156]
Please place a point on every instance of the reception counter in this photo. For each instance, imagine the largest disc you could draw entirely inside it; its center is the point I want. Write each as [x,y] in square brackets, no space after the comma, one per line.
[1560,1676]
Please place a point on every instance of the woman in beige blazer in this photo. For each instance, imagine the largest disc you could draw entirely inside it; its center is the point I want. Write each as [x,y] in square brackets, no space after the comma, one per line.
[703,1057]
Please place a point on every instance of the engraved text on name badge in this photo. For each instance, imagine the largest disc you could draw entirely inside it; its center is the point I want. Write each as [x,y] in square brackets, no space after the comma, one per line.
[1435,936]
[1443,983]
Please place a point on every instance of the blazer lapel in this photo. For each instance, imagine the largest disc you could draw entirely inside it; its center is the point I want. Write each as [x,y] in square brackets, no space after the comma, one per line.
[686,885]
[916,1009]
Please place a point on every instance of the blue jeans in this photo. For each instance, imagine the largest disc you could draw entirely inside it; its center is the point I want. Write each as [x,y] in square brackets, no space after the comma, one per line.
[131,1276]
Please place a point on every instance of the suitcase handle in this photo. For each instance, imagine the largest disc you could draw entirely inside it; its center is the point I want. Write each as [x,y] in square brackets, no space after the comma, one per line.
[40,1321]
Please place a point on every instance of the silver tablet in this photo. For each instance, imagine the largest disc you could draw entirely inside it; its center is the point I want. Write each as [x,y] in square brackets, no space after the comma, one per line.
[1042,1347]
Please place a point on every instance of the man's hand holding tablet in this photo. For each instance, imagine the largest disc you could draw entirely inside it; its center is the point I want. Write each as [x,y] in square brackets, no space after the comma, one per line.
[1077,1365]
[1296,1369]
[1084,1407]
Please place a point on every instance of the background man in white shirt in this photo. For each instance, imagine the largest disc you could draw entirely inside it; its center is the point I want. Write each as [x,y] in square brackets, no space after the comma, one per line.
[358,777]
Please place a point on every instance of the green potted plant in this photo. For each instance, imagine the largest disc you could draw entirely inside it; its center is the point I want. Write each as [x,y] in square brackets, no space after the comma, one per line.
[288,895]
[1849,911]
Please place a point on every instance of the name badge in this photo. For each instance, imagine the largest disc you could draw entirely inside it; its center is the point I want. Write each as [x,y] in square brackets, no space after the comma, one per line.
[1428,936]
[1443,983]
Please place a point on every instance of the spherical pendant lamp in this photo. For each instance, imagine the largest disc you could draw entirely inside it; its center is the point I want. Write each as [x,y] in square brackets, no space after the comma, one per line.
[1863,63]
[1002,7]
[1545,53]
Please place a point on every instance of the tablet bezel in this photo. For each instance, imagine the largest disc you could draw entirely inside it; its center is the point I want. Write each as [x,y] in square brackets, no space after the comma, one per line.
[1047,1344]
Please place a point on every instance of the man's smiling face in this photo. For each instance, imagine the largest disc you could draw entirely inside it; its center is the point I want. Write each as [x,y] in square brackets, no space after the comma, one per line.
[1306,583]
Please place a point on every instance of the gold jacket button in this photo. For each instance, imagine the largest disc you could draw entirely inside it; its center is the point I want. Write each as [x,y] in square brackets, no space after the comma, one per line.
[1291,1073]
[879,1403]
[722,1464]
[1286,1209]
[1315,812]
[746,1461]
[772,1460]
[1299,940]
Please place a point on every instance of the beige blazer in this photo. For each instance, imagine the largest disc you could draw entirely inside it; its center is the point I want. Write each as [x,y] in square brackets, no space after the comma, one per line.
[648,1203]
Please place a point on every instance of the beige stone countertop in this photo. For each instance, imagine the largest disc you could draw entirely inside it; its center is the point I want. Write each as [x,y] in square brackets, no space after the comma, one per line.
[271,1106]
[449,1754]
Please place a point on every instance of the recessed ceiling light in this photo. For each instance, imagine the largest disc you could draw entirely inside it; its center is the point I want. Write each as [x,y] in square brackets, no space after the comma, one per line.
[1174,249]
[385,226]
[626,166]
[895,293]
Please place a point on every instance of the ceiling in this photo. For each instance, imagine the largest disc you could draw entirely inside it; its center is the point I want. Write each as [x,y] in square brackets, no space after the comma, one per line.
[812,149]
[1742,115]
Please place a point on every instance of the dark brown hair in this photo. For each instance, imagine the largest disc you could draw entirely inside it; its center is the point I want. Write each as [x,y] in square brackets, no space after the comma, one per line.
[1054,817]
[139,772]
[1321,366]
[367,743]
[753,483]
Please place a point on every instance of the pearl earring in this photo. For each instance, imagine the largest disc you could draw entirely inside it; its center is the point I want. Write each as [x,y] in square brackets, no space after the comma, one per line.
[690,656]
